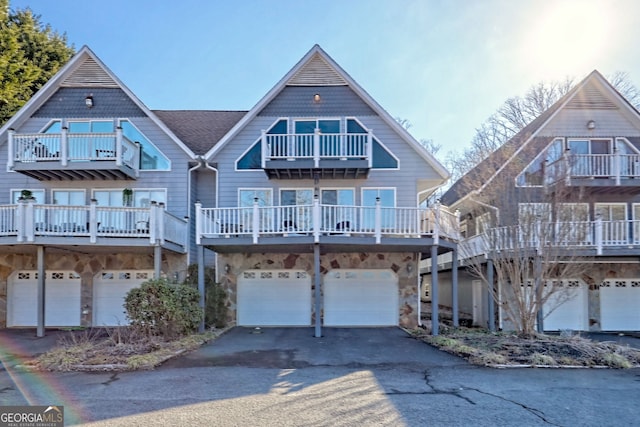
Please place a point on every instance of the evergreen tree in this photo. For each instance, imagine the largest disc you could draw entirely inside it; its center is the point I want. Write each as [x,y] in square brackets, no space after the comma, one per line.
[30,54]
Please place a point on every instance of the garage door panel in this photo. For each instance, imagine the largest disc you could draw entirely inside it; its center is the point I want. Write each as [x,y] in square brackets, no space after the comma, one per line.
[109,291]
[274,298]
[62,299]
[620,305]
[572,313]
[360,298]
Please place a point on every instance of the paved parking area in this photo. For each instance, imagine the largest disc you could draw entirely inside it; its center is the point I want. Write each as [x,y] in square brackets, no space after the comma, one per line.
[297,347]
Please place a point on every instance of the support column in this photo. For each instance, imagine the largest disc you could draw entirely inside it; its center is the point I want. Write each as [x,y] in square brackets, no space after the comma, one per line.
[201,288]
[539,290]
[454,288]
[41,291]
[434,291]
[318,296]
[157,261]
[490,302]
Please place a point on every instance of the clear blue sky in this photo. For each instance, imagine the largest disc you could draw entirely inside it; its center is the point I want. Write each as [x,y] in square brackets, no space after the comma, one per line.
[445,66]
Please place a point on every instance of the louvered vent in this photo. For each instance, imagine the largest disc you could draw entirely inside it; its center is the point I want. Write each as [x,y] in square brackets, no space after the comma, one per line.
[591,97]
[89,73]
[317,72]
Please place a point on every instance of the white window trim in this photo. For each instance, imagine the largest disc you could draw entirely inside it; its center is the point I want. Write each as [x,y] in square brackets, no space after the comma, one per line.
[395,193]
[83,190]
[119,121]
[241,189]
[564,146]
[352,189]
[379,142]
[602,204]
[258,141]
[280,190]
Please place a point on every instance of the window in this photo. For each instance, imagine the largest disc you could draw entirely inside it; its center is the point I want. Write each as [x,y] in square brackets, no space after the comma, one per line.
[141,197]
[252,158]
[38,195]
[545,168]
[246,197]
[614,222]
[483,222]
[572,223]
[69,219]
[84,144]
[589,157]
[381,157]
[298,216]
[342,216]
[150,157]
[387,198]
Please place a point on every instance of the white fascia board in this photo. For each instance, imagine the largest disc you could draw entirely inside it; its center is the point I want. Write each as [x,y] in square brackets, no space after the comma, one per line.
[53,85]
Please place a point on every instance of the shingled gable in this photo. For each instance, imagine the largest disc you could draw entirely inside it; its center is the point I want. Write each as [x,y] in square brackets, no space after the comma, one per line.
[318,68]
[577,97]
[84,70]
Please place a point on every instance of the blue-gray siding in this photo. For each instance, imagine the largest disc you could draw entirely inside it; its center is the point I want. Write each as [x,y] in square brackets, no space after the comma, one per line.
[334,101]
[69,102]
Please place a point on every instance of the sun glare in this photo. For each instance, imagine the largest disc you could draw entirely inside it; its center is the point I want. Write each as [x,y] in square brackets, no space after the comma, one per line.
[567,38]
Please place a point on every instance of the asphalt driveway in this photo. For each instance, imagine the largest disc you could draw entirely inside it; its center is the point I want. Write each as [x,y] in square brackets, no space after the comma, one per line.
[294,348]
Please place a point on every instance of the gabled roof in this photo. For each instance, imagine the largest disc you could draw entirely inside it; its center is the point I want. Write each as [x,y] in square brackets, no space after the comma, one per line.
[199,130]
[317,68]
[584,95]
[84,70]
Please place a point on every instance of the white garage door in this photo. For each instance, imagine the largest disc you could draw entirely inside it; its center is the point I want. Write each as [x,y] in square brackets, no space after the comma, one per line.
[109,291]
[274,298]
[361,298]
[620,305]
[62,299]
[568,308]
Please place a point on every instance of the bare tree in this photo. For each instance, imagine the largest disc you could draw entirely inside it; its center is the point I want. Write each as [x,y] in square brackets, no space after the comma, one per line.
[532,236]
[429,144]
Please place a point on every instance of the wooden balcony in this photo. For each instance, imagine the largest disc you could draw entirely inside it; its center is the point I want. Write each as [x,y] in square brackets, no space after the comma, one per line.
[91,226]
[74,156]
[336,155]
[339,228]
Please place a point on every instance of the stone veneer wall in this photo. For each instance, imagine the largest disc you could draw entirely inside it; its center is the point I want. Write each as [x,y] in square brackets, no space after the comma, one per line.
[87,266]
[405,265]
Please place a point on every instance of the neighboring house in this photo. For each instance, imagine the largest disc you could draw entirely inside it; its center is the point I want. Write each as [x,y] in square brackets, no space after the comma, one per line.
[316,218]
[309,205]
[94,200]
[575,168]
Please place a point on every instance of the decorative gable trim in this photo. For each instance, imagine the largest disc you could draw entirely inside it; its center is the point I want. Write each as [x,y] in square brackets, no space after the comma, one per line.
[317,72]
[89,74]
[591,97]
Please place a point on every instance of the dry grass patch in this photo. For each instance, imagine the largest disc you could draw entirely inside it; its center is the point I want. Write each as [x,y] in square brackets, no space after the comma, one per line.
[486,348]
[115,349]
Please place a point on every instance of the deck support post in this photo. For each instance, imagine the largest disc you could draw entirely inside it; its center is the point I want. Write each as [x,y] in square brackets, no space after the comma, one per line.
[40,291]
[317,294]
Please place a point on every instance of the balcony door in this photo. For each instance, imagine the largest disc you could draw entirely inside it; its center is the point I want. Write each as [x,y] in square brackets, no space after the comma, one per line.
[591,157]
[86,141]
[329,137]
[66,217]
[296,211]
[338,212]
[387,198]
[572,224]
[615,229]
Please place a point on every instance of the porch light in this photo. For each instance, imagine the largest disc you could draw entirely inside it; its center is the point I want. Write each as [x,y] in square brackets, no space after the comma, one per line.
[316,98]
[88,101]
[591,125]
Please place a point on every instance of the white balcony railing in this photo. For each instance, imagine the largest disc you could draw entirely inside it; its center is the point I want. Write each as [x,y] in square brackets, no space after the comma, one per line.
[316,219]
[615,166]
[317,146]
[598,235]
[27,221]
[68,147]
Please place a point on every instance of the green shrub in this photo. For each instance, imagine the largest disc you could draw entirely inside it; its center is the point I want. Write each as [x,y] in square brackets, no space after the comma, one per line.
[161,308]
[215,308]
